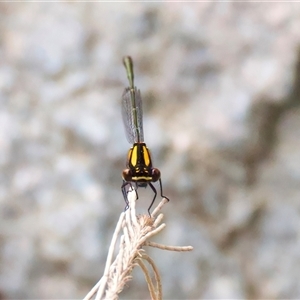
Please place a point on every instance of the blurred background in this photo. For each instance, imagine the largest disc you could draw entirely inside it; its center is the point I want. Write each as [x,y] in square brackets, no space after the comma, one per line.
[221,94]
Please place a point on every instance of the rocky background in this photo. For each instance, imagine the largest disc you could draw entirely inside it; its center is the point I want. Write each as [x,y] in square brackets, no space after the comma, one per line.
[221,91]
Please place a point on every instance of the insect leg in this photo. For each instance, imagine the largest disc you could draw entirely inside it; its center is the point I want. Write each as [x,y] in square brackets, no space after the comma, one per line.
[124,192]
[155,193]
[161,190]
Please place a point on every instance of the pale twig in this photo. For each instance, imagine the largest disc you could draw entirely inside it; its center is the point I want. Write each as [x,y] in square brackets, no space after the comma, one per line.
[158,293]
[109,257]
[158,220]
[135,232]
[153,232]
[170,248]
[102,282]
[148,278]
[159,206]
[155,292]
[132,197]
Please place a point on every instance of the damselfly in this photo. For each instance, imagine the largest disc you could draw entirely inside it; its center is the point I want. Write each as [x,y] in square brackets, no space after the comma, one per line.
[139,164]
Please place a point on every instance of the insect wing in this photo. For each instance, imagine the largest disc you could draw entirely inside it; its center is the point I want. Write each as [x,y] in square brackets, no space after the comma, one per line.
[132,114]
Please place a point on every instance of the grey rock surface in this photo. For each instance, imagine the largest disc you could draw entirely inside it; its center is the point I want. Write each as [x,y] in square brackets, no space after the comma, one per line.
[220,88]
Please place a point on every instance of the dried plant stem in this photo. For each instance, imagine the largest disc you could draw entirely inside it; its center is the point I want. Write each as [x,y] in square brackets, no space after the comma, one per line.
[109,257]
[170,248]
[135,234]
[155,292]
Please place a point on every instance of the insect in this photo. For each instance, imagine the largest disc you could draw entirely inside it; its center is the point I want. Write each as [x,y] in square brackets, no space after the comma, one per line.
[139,168]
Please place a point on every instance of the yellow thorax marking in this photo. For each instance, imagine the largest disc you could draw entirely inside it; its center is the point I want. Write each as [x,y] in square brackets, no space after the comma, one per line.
[142,178]
[134,156]
[146,156]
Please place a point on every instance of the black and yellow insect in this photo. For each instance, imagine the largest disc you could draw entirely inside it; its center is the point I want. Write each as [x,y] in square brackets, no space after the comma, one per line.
[139,164]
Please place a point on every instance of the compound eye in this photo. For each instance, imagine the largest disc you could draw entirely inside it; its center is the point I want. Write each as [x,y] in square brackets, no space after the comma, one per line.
[126,175]
[155,174]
